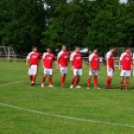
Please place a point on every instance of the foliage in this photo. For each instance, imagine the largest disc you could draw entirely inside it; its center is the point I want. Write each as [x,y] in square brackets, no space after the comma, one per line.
[100,23]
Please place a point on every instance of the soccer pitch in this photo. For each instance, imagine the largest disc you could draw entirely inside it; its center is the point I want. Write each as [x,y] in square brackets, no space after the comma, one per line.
[35,110]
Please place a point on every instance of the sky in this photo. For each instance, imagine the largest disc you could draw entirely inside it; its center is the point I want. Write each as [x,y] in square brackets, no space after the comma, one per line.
[123,0]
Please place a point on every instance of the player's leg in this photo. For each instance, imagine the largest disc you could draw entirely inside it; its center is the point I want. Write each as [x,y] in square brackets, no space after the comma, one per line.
[109,79]
[121,82]
[73,78]
[89,79]
[96,82]
[50,81]
[63,75]
[50,78]
[123,75]
[79,74]
[30,74]
[78,81]
[96,79]
[127,83]
[34,71]
[73,81]
[128,74]
[44,77]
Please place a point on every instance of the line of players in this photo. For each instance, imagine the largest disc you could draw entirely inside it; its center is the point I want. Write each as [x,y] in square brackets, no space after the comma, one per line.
[125,66]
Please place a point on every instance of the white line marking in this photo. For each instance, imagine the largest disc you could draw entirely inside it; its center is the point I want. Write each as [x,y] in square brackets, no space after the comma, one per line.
[66,117]
[12,83]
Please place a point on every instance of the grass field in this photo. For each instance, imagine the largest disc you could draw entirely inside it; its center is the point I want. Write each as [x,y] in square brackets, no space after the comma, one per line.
[33,110]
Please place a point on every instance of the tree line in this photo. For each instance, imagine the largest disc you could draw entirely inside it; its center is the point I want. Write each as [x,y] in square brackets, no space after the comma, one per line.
[86,23]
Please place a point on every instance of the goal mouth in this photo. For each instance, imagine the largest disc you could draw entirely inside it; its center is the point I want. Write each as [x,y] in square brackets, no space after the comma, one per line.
[8,53]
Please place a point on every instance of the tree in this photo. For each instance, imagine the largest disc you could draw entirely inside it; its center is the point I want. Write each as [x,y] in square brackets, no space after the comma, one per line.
[23,23]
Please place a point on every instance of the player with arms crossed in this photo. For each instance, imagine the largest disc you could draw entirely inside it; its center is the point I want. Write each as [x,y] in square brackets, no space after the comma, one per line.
[125,65]
[62,63]
[32,60]
[76,59]
[47,62]
[110,67]
[94,68]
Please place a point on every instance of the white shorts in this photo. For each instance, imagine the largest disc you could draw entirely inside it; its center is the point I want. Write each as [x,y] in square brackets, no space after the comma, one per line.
[33,70]
[125,73]
[77,72]
[110,72]
[48,71]
[63,70]
[93,73]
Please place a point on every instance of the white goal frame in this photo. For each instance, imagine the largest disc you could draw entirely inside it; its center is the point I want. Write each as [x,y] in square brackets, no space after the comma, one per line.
[8,53]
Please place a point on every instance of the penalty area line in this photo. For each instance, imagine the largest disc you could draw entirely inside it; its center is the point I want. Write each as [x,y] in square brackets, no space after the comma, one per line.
[66,117]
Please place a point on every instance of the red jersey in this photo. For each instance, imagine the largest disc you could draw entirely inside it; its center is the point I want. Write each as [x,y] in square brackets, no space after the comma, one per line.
[48,60]
[126,60]
[94,61]
[63,58]
[76,59]
[110,58]
[34,58]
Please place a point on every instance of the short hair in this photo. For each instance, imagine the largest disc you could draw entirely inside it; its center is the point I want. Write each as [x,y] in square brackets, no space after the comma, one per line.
[127,47]
[77,47]
[95,48]
[111,47]
[34,46]
[48,47]
[64,45]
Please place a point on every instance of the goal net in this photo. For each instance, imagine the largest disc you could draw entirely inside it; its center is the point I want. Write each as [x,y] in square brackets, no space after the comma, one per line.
[8,53]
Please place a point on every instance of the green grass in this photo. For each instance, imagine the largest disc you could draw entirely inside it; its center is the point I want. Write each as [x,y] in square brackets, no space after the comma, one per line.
[113,106]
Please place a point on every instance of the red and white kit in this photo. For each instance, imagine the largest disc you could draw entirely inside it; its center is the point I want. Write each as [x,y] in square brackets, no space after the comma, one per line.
[48,59]
[126,64]
[110,58]
[76,59]
[63,61]
[94,63]
[34,58]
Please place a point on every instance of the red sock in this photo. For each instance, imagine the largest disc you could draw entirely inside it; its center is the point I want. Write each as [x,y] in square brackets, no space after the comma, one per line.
[121,84]
[89,81]
[77,81]
[43,79]
[73,80]
[34,79]
[127,84]
[50,80]
[108,81]
[31,77]
[63,80]
[95,81]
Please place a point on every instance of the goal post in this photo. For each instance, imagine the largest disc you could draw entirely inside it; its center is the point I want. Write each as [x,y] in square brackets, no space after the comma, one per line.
[8,53]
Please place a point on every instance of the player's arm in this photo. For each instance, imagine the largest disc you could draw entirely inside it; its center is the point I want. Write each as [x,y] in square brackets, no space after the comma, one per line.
[133,60]
[57,63]
[28,60]
[90,62]
[72,62]
[42,60]
[99,65]
[107,62]
[42,63]
[120,63]
[133,63]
